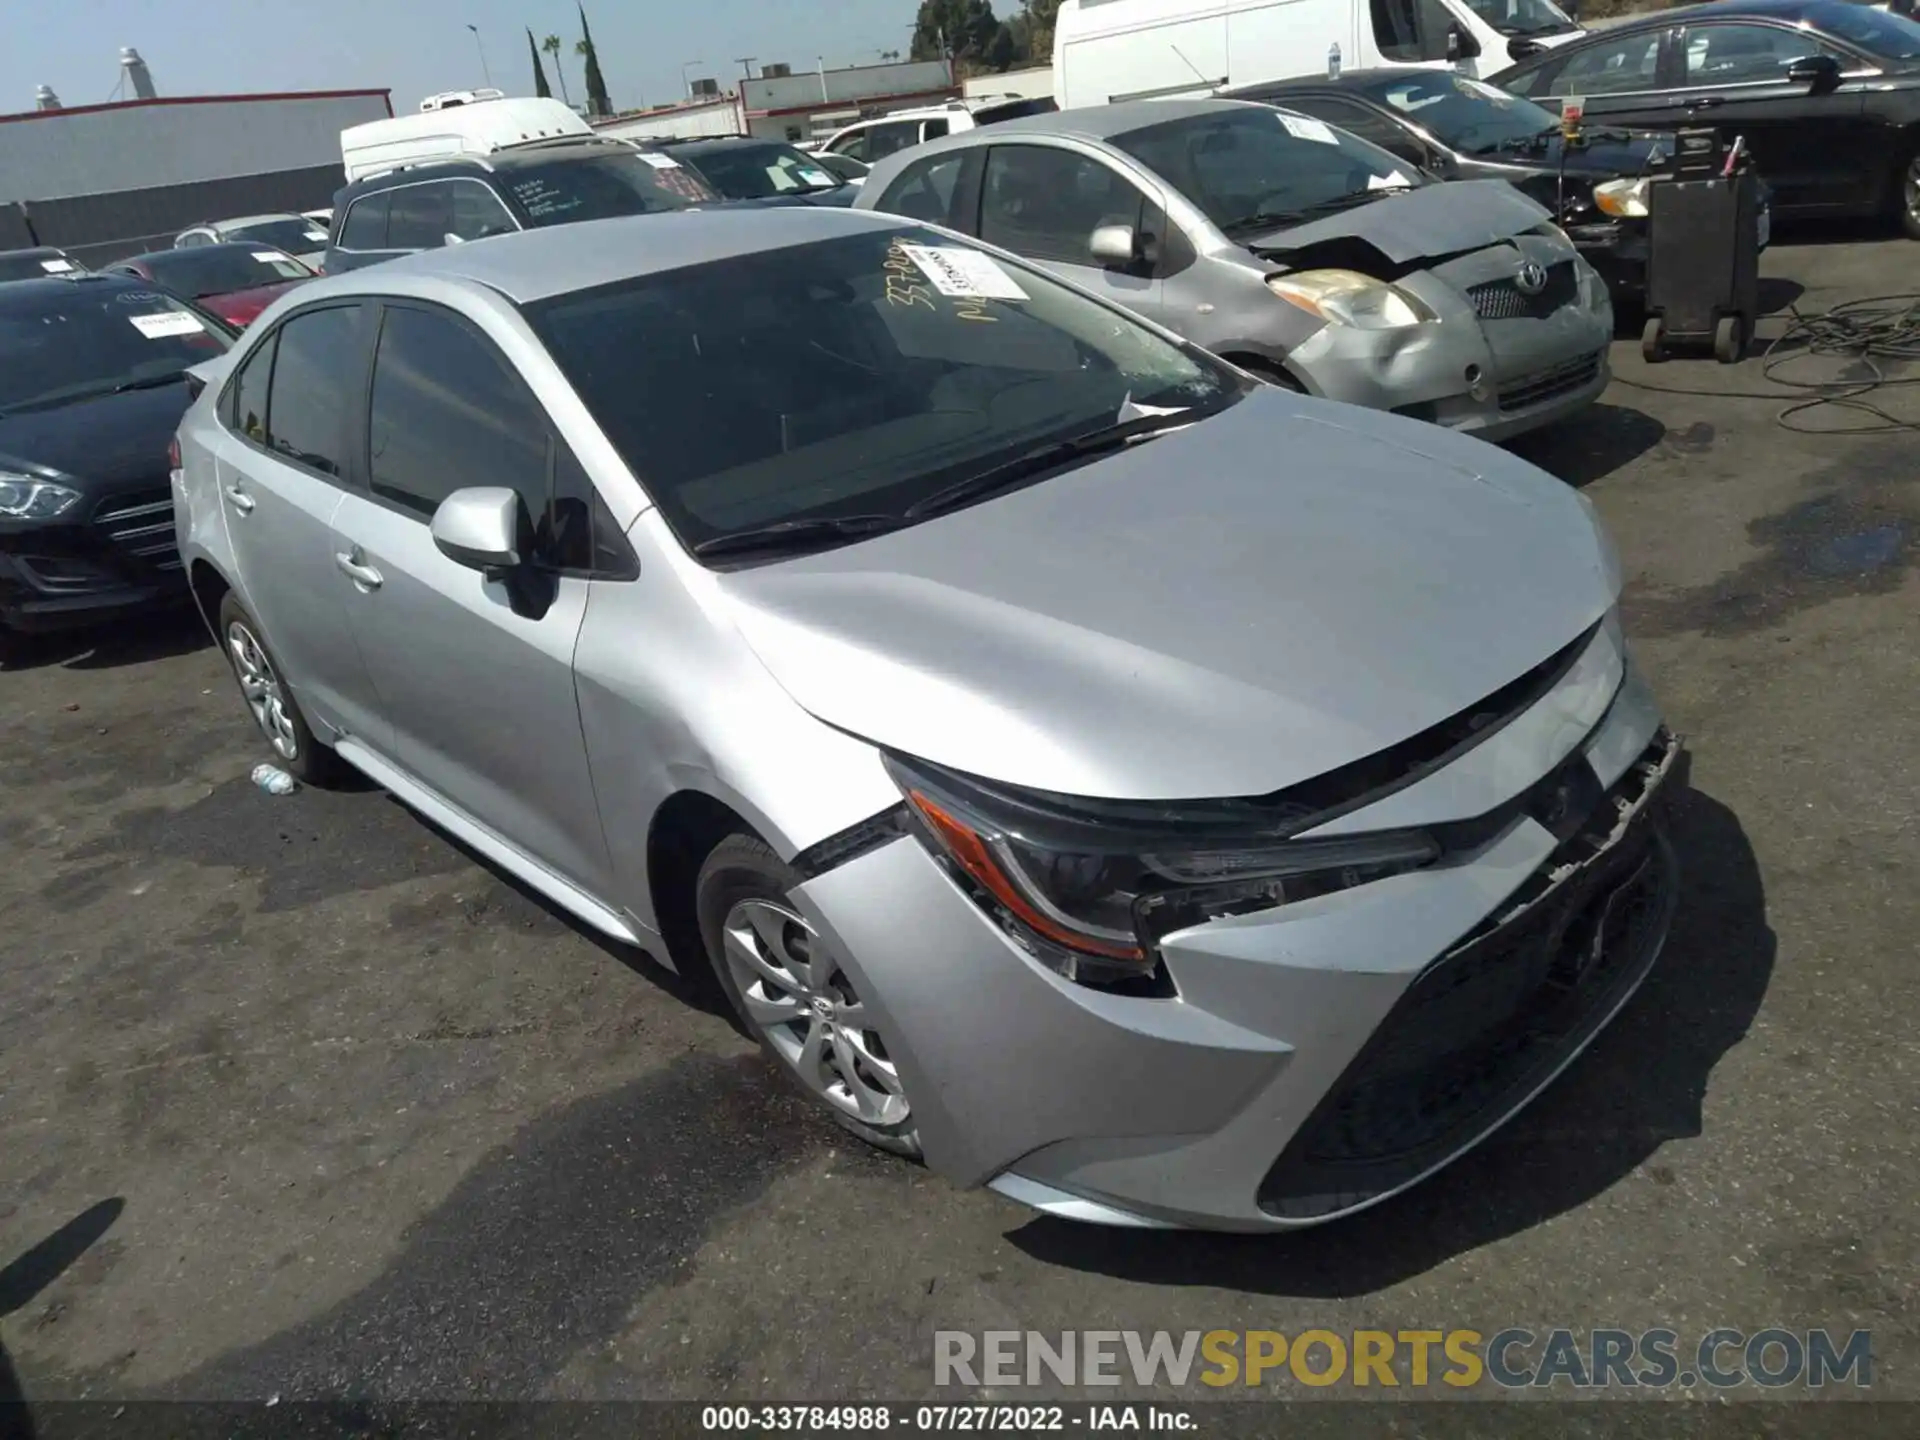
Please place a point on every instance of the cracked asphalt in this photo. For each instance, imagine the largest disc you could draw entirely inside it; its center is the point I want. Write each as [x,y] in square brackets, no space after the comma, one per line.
[298,1099]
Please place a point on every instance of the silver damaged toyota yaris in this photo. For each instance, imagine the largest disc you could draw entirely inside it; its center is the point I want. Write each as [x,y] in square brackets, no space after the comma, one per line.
[1161,798]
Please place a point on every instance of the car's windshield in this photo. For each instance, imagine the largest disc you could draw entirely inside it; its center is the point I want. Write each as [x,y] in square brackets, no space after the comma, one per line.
[1252,165]
[1879,32]
[759,172]
[87,337]
[852,376]
[1469,115]
[1524,17]
[294,235]
[601,187]
[221,269]
[34,264]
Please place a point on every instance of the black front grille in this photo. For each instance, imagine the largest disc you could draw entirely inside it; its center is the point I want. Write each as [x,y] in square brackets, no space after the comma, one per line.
[1490,1021]
[1505,300]
[140,525]
[1543,385]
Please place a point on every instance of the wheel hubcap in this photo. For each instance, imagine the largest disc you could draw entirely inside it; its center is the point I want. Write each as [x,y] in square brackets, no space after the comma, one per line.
[264,695]
[797,995]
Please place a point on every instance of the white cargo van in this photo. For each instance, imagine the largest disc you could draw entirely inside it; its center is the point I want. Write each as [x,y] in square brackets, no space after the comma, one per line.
[1111,50]
[452,131]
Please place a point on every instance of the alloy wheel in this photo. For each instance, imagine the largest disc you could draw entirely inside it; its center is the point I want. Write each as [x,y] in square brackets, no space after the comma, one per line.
[265,696]
[797,996]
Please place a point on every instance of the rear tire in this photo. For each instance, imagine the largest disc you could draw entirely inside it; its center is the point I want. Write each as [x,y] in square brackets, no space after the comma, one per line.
[786,985]
[269,700]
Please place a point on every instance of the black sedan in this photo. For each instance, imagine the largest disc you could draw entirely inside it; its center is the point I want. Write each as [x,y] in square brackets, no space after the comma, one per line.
[92,387]
[1826,93]
[1459,128]
[37,263]
[742,167]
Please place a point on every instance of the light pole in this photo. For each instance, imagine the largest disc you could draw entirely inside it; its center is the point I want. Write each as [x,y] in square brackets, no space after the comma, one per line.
[745,62]
[686,85]
[483,55]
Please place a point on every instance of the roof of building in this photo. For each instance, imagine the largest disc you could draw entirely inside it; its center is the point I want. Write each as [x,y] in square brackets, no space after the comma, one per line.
[66,110]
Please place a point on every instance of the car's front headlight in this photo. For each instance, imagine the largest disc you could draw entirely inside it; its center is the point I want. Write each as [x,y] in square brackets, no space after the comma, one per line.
[24,497]
[1346,297]
[1623,199]
[1089,887]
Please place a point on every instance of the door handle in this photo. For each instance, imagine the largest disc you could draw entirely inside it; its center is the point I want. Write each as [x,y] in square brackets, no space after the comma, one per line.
[1704,102]
[357,571]
[239,500]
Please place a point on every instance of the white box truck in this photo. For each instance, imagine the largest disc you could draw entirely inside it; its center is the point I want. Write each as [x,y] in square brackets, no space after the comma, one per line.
[1106,51]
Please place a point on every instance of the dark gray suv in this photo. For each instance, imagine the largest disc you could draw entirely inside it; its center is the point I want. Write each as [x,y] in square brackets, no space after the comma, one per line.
[423,207]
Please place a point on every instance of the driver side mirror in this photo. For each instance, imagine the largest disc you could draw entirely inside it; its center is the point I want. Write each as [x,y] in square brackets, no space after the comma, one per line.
[1520,48]
[482,528]
[1115,245]
[1819,73]
[1460,43]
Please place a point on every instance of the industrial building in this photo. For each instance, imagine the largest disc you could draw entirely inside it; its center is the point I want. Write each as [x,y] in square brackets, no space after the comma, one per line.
[782,103]
[103,181]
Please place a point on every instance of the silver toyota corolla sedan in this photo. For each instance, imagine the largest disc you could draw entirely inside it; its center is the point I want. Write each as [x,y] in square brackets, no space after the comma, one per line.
[1293,248]
[1163,798]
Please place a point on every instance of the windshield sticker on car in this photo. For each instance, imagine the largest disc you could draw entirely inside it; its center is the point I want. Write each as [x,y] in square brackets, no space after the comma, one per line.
[56,267]
[659,162]
[1412,100]
[818,177]
[1395,181]
[267,257]
[316,235]
[903,285]
[159,327]
[964,274]
[140,297]
[1305,127]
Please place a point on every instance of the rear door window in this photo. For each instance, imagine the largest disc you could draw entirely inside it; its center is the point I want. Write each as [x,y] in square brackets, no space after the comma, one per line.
[248,403]
[1409,30]
[316,371]
[365,225]
[891,136]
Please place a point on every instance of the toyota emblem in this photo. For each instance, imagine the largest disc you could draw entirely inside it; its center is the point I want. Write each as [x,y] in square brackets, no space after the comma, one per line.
[1531,278]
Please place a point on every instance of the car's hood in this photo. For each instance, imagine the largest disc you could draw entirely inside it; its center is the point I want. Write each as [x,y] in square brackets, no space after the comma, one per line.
[102,446]
[242,307]
[1225,610]
[1604,155]
[1438,219]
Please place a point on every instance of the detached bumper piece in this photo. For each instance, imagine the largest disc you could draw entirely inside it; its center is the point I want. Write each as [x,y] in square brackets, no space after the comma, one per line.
[1487,1025]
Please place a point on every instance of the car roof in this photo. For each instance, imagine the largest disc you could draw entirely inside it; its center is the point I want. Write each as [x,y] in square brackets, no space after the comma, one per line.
[243,220]
[243,247]
[1718,10]
[535,264]
[28,294]
[1346,80]
[565,147]
[1091,122]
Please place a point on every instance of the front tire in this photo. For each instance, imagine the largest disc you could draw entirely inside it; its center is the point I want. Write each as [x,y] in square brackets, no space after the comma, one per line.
[1906,195]
[789,990]
[269,700]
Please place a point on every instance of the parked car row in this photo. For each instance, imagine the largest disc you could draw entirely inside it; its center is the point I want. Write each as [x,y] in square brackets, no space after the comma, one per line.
[1083,761]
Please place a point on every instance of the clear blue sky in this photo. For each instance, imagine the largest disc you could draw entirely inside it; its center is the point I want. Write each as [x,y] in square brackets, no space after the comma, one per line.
[416,47]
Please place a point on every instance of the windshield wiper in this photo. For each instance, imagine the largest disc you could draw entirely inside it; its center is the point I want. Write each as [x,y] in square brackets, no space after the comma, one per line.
[1045,457]
[805,533]
[145,382]
[1350,200]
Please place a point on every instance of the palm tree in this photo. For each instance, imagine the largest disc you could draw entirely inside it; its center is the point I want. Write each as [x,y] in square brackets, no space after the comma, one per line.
[552,46]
